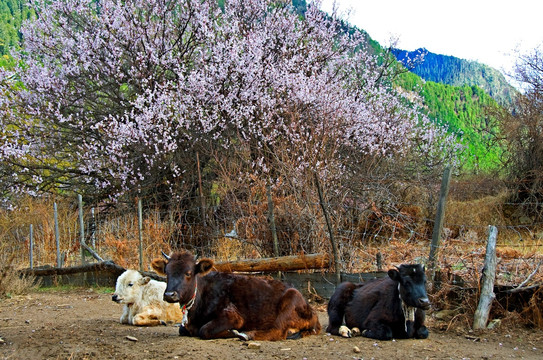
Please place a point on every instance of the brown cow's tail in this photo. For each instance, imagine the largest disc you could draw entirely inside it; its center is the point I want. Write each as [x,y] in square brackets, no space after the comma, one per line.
[336,306]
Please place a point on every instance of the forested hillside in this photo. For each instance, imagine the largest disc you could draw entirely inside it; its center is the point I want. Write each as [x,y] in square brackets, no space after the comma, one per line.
[12,13]
[465,110]
[453,71]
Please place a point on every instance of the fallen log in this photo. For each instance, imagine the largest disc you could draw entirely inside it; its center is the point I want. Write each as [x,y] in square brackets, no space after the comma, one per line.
[281,263]
[99,266]
[103,266]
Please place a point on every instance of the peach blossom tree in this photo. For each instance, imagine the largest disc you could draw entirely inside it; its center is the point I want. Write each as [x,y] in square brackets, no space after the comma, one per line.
[111,96]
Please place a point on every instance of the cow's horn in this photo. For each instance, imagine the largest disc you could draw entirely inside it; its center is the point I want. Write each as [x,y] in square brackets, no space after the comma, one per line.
[165,255]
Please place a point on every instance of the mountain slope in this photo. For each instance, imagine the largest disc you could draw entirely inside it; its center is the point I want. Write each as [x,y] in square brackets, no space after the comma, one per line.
[453,71]
[464,111]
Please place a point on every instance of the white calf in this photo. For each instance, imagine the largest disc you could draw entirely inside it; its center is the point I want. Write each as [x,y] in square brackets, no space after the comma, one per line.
[142,299]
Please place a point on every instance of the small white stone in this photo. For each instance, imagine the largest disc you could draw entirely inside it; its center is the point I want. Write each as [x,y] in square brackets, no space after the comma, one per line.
[254,345]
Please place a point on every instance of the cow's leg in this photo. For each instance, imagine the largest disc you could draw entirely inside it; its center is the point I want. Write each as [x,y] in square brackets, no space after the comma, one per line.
[149,316]
[183,331]
[125,317]
[377,330]
[269,335]
[144,320]
[295,319]
[421,332]
[222,326]
[336,307]
[172,314]
[348,333]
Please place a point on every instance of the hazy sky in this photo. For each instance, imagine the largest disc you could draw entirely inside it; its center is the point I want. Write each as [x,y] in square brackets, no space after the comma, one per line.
[487,31]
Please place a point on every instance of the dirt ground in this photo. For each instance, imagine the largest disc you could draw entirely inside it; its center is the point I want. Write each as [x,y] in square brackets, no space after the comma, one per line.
[84,324]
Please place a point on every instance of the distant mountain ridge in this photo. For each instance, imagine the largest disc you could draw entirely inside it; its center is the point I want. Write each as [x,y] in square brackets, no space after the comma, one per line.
[454,71]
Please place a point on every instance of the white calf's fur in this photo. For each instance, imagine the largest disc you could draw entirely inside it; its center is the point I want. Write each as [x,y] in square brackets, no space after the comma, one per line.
[142,299]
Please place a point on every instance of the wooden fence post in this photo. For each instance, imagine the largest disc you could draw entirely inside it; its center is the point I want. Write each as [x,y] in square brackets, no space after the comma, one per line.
[82,242]
[57,235]
[438,225]
[140,232]
[81,228]
[271,219]
[200,190]
[31,245]
[489,274]
[330,231]
[93,229]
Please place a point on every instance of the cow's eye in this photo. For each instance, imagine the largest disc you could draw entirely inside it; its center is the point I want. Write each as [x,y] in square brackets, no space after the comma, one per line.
[188,274]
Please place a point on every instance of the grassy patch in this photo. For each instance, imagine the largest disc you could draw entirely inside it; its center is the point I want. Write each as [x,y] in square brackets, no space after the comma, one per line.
[61,288]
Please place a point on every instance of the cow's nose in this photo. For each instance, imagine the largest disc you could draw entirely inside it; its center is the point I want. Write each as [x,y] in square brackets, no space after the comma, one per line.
[171,296]
[114,298]
[424,303]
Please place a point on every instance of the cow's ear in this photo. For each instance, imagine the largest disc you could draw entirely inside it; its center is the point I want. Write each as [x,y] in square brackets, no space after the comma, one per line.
[159,265]
[203,266]
[394,274]
[145,280]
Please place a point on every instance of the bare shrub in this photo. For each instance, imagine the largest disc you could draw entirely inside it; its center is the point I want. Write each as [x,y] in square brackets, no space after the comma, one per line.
[533,313]
[524,136]
[234,249]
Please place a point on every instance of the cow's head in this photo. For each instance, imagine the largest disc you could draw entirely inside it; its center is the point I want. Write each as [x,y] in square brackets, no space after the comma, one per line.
[129,287]
[412,285]
[181,270]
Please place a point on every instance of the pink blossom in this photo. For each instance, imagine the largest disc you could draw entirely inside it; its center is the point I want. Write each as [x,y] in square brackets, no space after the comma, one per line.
[115,90]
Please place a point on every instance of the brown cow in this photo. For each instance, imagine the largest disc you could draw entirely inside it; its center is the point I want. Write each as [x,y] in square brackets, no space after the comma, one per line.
[224,305]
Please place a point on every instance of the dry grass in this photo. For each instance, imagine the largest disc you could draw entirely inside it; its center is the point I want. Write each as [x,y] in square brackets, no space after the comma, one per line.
[13,284]
[481,212]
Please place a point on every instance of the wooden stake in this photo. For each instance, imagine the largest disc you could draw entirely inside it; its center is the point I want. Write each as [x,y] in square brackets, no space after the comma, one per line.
[271,219]
[57,235]
[140,233]
[31,246]
[330,231]
[82,241]
[200,190]
[438,225]
[489,274]
[81,228]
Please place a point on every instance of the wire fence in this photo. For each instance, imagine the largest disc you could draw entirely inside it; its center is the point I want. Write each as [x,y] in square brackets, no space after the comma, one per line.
[370,234]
